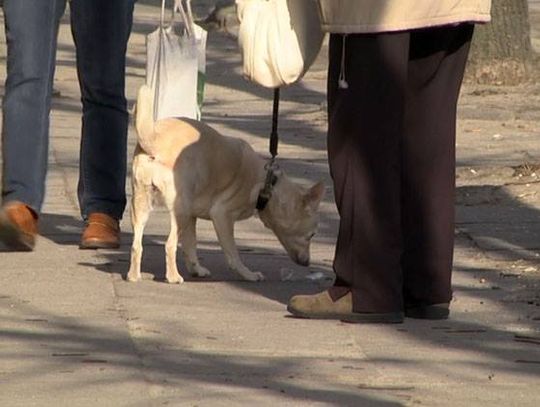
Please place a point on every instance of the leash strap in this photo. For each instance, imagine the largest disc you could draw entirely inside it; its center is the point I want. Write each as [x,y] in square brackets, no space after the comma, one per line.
[274,138]
[271,178]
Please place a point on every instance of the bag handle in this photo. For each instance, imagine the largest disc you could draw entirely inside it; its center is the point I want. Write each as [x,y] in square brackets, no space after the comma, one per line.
[189,16]
[185,14]
[162,17]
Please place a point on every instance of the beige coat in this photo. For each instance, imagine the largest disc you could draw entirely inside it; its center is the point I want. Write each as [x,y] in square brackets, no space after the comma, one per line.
[369,16]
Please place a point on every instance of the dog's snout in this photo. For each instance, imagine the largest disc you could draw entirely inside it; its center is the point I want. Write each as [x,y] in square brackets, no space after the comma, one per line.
[302,260]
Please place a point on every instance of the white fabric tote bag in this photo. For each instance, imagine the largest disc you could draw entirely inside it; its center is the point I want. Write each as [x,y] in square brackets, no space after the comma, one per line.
[279,39]
[175,65]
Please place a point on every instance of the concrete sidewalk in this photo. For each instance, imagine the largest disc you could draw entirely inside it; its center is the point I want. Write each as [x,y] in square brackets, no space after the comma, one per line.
[74,333]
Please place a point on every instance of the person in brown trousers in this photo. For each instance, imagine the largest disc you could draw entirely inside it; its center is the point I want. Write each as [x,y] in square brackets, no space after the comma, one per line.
[395,72]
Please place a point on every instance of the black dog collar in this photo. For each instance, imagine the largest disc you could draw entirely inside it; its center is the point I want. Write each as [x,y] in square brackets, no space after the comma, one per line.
[266,192]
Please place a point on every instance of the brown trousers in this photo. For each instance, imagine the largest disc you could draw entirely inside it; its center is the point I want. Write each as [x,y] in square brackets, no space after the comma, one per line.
[391,147]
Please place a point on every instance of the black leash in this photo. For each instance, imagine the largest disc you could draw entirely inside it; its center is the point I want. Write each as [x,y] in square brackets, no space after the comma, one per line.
[274,138]
[271,178]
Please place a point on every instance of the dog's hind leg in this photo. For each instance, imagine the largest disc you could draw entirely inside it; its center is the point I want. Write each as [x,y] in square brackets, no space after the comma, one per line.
[224,227]
[189,247]
[141,206]
[172,275]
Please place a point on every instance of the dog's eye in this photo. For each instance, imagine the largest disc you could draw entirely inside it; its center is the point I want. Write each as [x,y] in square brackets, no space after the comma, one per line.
[309,237]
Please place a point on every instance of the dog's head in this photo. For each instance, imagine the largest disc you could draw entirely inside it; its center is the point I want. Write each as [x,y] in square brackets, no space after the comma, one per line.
[291,213]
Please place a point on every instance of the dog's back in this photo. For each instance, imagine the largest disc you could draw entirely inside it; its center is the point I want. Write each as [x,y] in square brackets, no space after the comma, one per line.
[208,168]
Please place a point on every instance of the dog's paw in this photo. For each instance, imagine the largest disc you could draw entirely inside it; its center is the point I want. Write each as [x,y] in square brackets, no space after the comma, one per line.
[199,271]
[254,276]
[174,279]
[247,274]
[133,277]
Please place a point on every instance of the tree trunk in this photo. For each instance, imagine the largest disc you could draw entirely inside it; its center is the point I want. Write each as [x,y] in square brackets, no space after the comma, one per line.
[501,51]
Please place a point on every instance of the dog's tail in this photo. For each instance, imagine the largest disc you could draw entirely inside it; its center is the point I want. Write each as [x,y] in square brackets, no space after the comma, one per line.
[144,119]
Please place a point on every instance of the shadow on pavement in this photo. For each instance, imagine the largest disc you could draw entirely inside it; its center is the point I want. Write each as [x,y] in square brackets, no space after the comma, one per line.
[62,345]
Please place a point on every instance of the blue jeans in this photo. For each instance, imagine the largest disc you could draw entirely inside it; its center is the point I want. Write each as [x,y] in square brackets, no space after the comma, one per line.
[100,30]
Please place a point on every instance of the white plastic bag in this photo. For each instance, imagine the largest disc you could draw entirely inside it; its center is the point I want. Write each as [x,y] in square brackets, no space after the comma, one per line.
[279,39]
[175,65]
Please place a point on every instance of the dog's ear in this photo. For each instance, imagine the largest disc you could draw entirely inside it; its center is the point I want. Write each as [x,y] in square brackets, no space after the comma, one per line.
[314,196]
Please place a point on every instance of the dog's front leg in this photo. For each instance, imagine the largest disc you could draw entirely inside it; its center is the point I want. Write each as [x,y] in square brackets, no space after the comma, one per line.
[225,231]
[172,275]
[189,247]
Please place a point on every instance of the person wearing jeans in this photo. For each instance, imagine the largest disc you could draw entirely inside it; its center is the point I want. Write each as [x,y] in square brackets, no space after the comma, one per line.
[394,76]
[100,29]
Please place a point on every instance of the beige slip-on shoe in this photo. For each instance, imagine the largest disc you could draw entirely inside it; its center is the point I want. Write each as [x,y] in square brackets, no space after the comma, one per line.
[321,306]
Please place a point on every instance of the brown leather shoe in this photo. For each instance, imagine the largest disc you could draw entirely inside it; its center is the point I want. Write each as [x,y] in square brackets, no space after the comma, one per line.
[18,226]
[102,232]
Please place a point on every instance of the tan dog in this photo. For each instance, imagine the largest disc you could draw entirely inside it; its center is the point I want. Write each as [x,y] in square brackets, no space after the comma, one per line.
[198,173]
